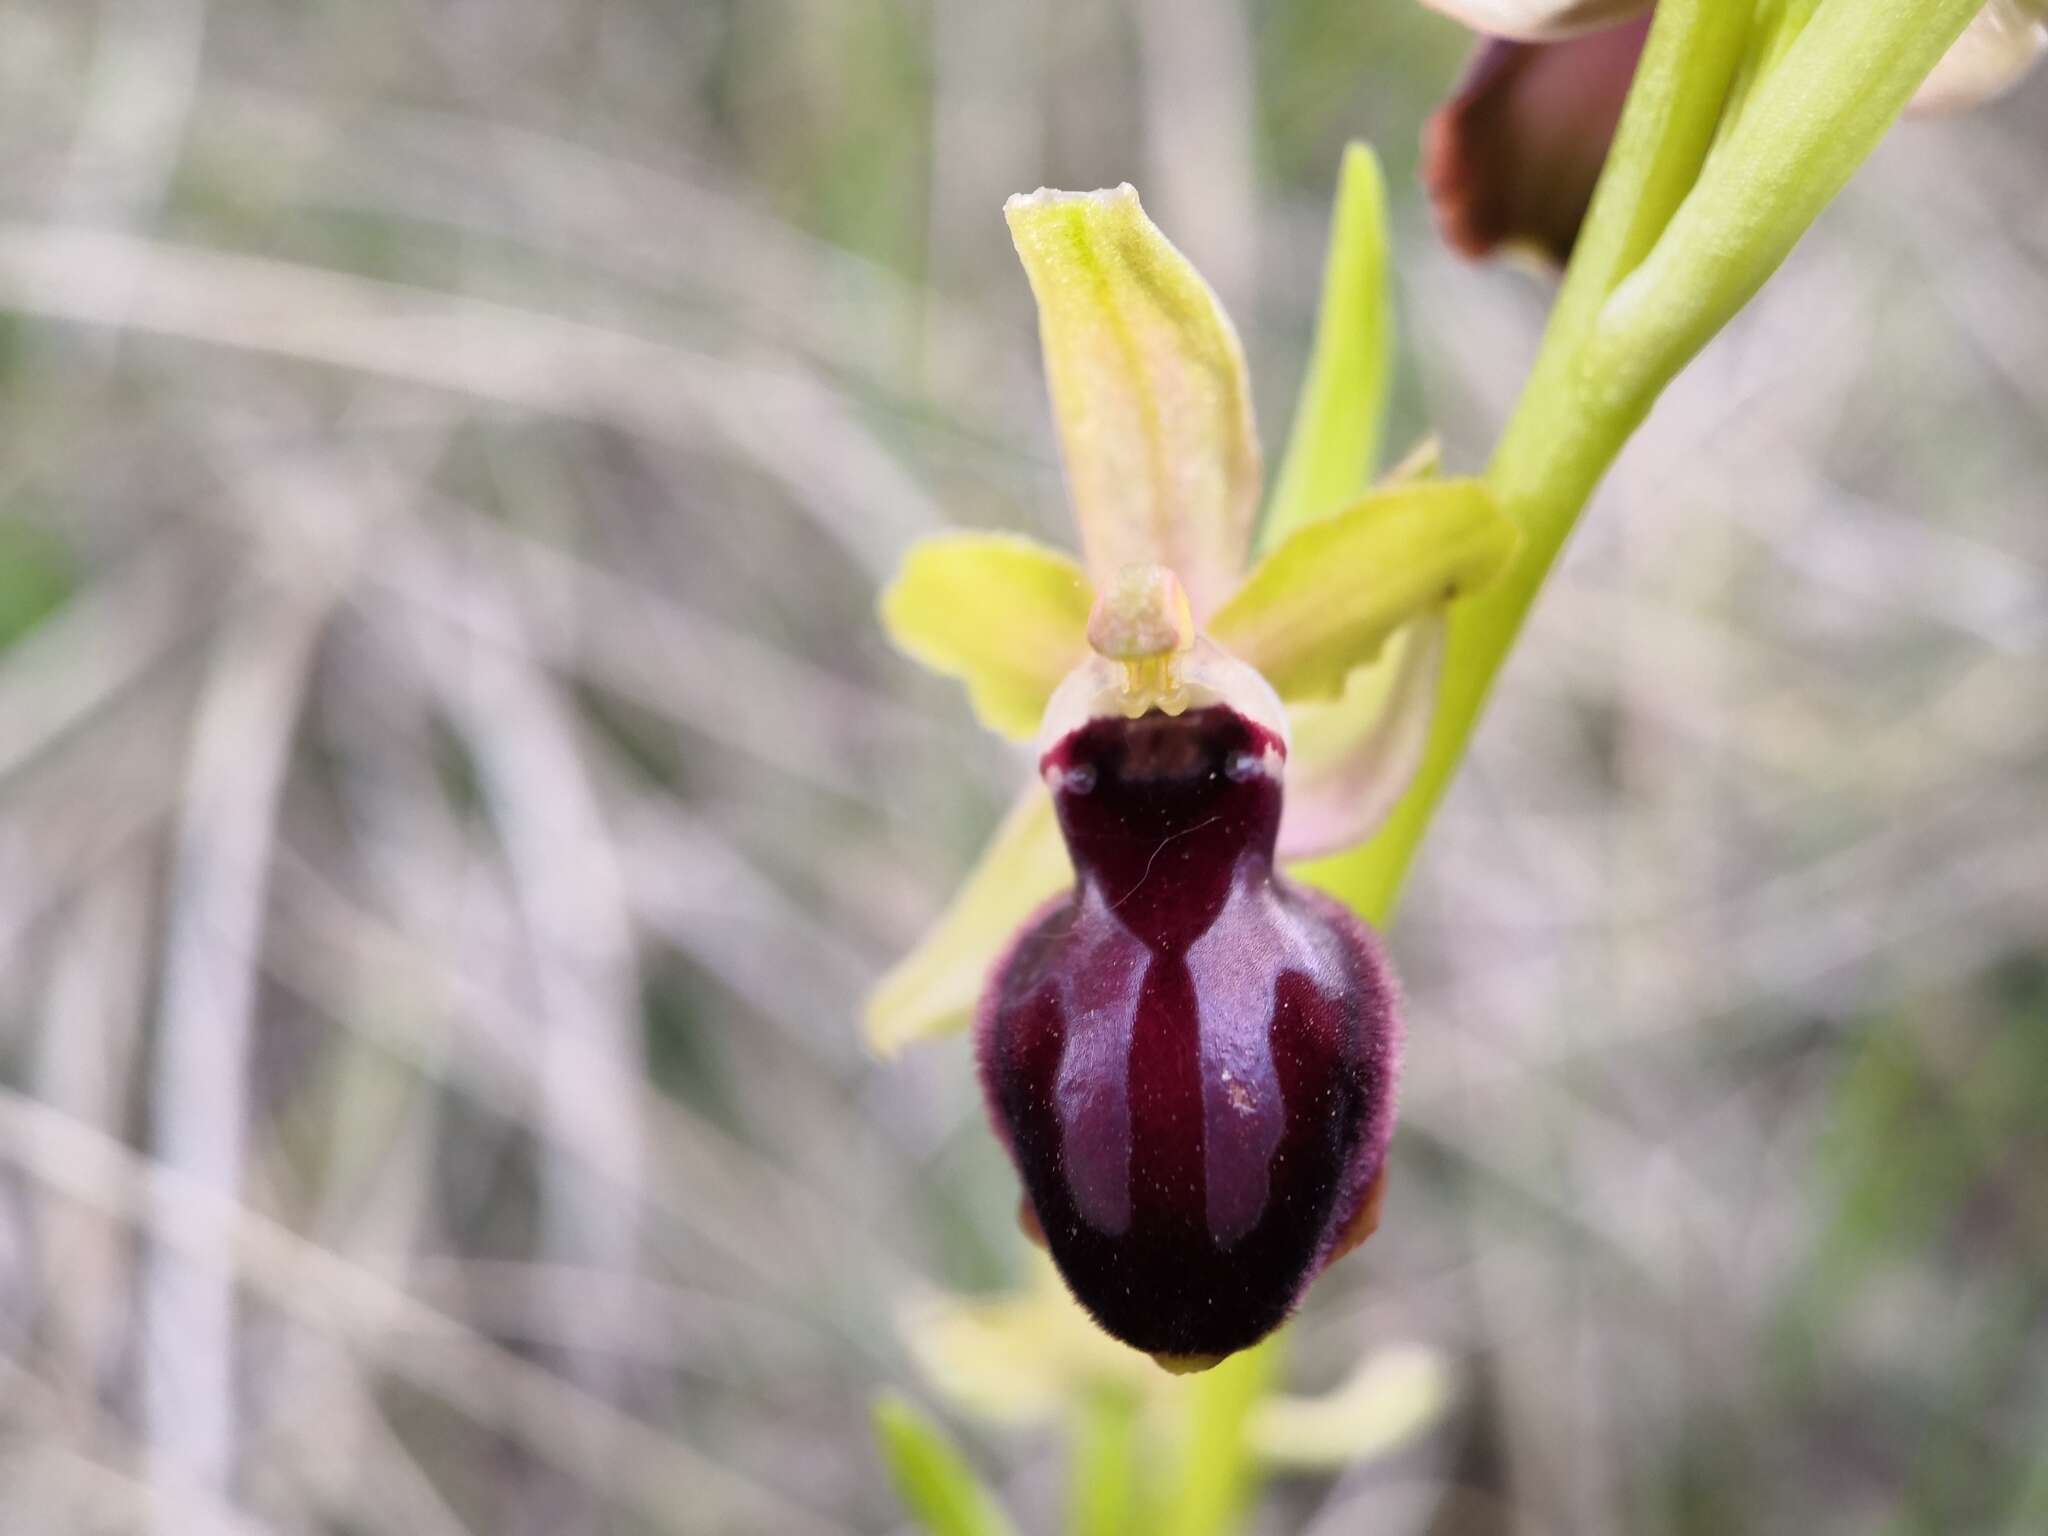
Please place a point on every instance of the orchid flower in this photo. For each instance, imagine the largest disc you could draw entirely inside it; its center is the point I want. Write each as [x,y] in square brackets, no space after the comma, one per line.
[1030,1359]
[1511,159]
[1189,1055]
[1188,1052]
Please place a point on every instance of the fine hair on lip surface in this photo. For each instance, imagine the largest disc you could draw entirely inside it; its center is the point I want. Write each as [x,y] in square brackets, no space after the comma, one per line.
[1191,1058]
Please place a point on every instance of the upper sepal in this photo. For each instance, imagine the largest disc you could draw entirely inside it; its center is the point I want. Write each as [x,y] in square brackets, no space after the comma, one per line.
[1148,388]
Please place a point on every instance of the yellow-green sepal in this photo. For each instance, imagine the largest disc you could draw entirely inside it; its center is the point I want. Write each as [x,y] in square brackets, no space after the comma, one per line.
[1004,614]
[1323,603]
[933,990]
[1149,391]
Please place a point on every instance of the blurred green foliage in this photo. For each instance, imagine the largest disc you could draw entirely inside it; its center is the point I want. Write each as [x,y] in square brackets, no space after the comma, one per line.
[37,574]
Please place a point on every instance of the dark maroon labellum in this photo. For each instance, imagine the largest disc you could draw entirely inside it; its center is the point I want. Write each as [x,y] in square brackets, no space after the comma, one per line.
[1191,1057]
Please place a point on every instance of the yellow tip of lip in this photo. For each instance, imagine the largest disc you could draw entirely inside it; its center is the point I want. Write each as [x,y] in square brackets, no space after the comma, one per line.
[1186,1365]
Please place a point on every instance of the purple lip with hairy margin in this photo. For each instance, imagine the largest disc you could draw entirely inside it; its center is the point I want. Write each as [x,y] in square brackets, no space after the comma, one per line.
[1190,1057]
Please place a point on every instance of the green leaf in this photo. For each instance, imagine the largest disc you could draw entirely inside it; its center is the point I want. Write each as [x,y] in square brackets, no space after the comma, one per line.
[932,1478]
[1323,603]
[1005,615]
[1148,390]
[932,990]
[1334,444]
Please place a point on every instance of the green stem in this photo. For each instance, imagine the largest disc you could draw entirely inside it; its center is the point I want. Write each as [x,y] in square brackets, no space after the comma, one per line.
[1817,115]
[1216,1477]
[1104,1498]
[1556,447]
[1690,60]
[1683,230]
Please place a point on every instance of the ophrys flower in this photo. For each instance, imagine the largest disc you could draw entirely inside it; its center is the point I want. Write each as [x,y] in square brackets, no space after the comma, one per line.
[1189,1054]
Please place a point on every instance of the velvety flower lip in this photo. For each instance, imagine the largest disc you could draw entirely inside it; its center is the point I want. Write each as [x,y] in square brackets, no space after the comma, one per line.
[1190,1058]
[1192,1074]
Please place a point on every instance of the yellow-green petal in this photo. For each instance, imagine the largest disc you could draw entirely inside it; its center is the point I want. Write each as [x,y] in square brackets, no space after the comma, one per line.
[1148,390]
[1334,442]
[932,990]
[1005,615]
[1353,756]
[1326,600]
[1395,1395]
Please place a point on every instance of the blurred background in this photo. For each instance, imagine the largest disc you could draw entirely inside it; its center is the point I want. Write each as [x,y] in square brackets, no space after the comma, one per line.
[454,793]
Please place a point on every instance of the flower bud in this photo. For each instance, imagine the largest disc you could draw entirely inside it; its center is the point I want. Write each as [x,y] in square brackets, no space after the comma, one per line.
[1511,160]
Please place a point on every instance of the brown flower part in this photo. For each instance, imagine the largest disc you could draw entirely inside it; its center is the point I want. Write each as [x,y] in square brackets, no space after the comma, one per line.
[1510,161]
